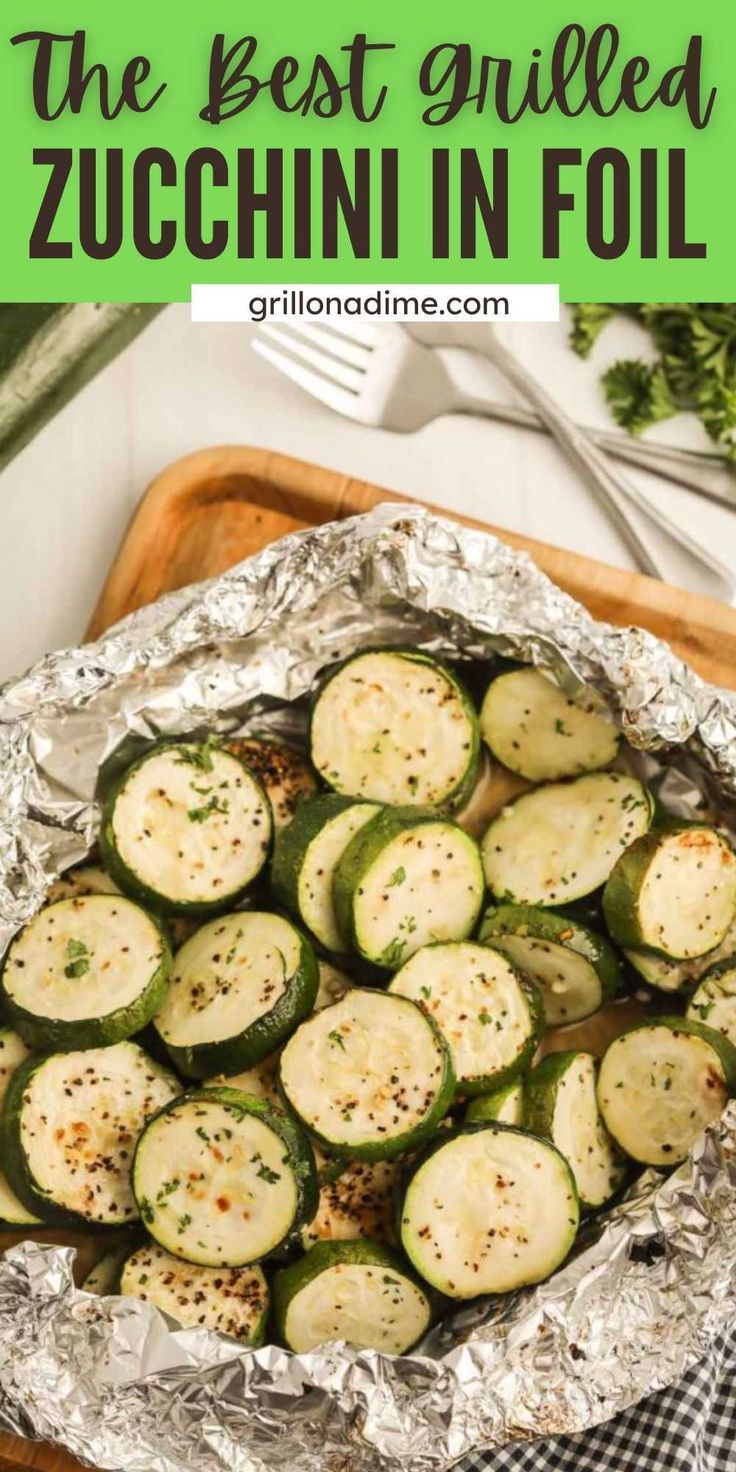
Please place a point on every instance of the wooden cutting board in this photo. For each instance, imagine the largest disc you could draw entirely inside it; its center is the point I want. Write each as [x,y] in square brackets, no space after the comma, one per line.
[215,507]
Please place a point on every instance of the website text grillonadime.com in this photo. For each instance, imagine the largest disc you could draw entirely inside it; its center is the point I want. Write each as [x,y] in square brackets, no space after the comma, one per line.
[370,303]
[381,305]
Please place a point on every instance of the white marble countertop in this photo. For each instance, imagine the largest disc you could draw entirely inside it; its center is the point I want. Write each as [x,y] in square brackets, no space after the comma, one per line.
[65,500]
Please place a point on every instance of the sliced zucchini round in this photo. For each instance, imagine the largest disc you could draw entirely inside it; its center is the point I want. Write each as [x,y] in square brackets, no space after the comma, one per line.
[394,726]
[575,969]
[673,892]
[238,988]
[231,1301]
[714,1001]
[85,972]
[78,883]
[284,773]
[13,1052]
[358,1202]
[680,976]
[560,842]
[69,1127]
[490,1017]
[371,1076]
[104,1277]
[505,1105]
[531,726]
[661,1083]
[560,1104]
[406,879]
[261,1081]
[332,984]
[187,828]
[305,856]
[222,1179]
[487,1209]
[359,1292]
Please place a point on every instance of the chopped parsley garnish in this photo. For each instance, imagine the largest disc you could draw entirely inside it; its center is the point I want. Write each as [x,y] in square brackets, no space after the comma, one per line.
[215,805]
[398,877]
[78,959]
[198,756]
[266,1174]
[337,1038]
[694,370]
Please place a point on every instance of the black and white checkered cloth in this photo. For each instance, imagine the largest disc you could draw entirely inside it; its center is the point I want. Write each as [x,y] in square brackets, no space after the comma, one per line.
[691,1427]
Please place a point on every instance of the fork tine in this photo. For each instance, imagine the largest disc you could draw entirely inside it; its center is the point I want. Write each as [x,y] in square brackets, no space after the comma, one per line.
[340,373]
[342,400]
[344,348]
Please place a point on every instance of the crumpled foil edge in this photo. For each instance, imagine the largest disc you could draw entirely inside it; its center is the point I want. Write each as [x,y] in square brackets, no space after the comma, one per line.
[112,1379]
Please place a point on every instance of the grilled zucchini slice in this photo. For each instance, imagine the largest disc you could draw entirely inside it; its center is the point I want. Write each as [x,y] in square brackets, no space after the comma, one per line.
[69,1128]
[358,1291]
[490,1017]
[394,726]
[575,969]
[488,1209]
[238,988]
[680,976]
[673,892]
[370,1077]
[531,726]
[560,842]
[85,973]
[406,879]
[560,1104]
[232,1301]
[714,1001]
[661,1083]
[186,829]
[305,857]
[13,1052]
[223,1180]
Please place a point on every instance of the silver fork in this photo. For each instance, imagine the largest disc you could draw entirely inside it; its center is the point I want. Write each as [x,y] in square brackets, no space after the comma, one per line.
[383,377]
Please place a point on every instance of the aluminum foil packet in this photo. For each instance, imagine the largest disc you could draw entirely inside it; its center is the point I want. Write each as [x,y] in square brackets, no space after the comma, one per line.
[642,1298]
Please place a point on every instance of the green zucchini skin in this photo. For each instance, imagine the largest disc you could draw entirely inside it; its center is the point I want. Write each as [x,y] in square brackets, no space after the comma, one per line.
[460,794]
[296,1143]
[295,1277]
[491,1106]
[292,844]
[58,1035]
[707,995]
[264,1036]
[362,852]
[538,923]
[623,890]
[14,1159]
[125,877]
